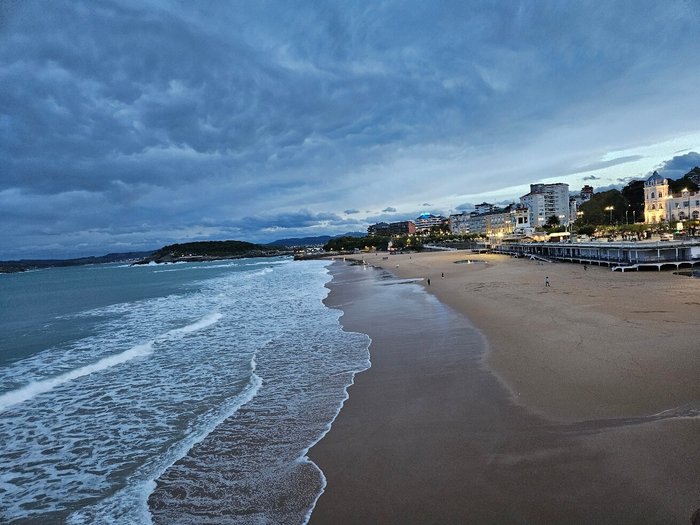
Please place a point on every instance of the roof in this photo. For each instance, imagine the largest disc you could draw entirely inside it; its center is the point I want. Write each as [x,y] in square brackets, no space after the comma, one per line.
[655,178]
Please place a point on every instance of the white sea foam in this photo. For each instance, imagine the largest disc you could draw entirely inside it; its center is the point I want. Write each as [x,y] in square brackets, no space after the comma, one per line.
[304,457]
[196,266]
[35,388]
[204,322]
[95,444]
[130,505]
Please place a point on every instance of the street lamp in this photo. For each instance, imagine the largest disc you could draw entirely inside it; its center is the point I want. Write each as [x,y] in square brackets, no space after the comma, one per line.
[610,209]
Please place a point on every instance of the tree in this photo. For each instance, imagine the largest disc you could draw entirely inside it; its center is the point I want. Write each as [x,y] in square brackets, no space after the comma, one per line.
[634,194]
[586,230]
[685,182]
[349,243]
[552,222]
[594,211]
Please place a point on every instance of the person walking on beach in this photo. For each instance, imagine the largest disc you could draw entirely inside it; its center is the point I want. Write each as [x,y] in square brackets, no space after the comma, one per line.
[428,282]
[585,268]
[546,281]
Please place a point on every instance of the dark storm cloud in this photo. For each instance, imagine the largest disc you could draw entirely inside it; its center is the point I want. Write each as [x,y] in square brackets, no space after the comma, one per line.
[605,164]
[126,122]
[351,211]
[287,221]
[679,165]
[591,177]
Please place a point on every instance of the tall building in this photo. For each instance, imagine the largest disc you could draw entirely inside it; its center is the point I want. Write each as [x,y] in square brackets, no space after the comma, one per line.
[660,205]
[459,223]
[545,200]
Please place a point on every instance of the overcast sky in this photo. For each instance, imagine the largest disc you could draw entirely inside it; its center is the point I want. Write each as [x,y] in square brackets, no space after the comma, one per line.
[132,124]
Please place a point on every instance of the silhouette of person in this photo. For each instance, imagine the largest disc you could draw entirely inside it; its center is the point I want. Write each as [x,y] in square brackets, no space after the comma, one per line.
[546,281]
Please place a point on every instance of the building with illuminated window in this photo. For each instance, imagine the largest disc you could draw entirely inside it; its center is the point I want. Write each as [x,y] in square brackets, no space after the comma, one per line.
[459,223]
[425,221]
[385,229]
[513,219]
[545,200]
[660,205]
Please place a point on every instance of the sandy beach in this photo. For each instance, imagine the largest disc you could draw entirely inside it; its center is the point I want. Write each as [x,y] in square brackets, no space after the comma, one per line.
[581,407]
[594,344]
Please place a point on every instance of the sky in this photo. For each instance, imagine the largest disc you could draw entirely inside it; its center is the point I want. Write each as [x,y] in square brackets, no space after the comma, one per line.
[127,125]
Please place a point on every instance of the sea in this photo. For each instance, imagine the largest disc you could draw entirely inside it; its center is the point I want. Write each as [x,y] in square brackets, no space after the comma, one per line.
[180,393]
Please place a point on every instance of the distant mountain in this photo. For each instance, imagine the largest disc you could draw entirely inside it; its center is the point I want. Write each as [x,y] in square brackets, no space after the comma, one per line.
[312,241]
[35,264]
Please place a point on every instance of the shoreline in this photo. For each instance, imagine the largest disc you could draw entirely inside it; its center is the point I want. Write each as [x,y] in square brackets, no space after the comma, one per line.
[608,344]
[430,434]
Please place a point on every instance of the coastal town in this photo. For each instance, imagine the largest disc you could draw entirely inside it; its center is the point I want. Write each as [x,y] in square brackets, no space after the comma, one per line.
[650,226]
[553,205]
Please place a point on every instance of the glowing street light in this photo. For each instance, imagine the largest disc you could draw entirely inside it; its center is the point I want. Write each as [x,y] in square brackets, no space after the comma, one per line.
[610,209]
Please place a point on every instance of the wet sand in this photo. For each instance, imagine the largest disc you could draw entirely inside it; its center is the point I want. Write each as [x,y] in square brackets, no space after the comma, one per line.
[431,435]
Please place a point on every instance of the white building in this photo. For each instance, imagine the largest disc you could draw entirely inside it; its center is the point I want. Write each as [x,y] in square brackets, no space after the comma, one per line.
[459,223]
[499,222]
[545,200]
[425,221]
[660,205]
[484,207]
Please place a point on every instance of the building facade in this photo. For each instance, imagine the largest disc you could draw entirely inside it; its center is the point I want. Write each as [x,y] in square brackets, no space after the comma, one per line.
[513,219]
[425,221]
[545,200]
[660,205]
[384,229]
[459,223]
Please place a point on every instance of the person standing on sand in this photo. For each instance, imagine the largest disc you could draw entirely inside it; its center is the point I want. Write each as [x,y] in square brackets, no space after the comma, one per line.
[546,281]
[428,282]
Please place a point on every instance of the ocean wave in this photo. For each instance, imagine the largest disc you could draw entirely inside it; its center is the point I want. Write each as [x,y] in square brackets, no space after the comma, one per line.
[35,388]
[130,505]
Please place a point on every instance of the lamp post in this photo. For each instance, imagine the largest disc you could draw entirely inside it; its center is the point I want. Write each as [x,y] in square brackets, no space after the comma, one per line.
[610,209]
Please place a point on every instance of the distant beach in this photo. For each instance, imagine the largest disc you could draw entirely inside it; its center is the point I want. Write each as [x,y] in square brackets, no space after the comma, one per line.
[580,402]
